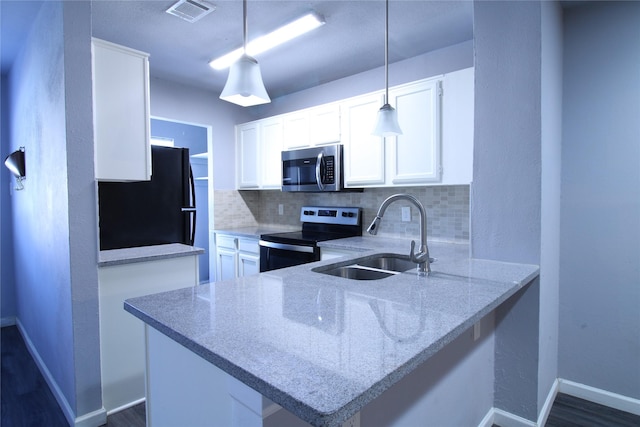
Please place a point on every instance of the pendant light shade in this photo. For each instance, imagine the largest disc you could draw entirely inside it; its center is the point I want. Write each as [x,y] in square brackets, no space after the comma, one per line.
[244,85]
[387,124]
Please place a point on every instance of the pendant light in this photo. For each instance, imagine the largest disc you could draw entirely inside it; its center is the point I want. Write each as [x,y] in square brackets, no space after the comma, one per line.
[387,124]
[244,84]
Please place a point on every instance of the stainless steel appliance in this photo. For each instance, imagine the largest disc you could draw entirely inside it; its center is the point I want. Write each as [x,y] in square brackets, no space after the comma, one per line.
[152,212]
[313,169]
[319,224]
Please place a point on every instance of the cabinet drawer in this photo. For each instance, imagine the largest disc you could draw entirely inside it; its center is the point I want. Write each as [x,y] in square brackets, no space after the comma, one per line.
[226,241]
[249,245]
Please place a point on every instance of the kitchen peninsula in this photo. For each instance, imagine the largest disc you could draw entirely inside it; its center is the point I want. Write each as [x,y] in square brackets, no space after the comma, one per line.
[319,346]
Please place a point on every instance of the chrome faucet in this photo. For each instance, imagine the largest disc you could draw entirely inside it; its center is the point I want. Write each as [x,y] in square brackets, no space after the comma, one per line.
[422,257]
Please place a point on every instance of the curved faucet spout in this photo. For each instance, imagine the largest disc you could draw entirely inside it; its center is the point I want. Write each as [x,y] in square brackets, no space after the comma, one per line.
[422,257]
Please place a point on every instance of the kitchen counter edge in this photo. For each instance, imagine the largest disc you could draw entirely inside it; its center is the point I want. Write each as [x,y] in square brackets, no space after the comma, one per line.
[146,253]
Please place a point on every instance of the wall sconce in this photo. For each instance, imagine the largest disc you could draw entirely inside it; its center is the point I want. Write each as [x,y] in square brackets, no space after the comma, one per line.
[16,164]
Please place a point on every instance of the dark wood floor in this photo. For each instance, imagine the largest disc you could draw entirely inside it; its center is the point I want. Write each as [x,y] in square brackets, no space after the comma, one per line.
[28,402]
[569,411]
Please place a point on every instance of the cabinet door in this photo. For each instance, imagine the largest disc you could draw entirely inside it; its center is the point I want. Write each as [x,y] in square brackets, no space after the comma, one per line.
[226,263]
[296,130]
[363,152]
[248,264]
[271,148]
[247,136]
[121,113]
[457,127]
[415,156]
[324,124]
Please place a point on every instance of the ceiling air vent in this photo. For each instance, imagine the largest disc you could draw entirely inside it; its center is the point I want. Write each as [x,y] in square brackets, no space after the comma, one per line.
[191,10]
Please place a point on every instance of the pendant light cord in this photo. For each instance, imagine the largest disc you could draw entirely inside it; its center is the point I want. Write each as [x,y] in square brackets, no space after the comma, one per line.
[244,25]
[386,54]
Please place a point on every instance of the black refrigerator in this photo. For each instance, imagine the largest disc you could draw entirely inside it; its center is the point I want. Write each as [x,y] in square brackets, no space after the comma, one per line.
[155,212]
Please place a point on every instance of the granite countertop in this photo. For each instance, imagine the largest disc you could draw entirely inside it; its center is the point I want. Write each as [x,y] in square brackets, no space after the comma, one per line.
[353,339]
[256,231]
[146,253]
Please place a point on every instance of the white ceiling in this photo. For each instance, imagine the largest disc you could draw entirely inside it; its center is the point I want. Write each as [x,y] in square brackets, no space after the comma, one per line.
[351,41]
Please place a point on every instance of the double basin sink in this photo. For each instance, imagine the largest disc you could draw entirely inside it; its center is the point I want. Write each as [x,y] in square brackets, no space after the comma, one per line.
[373,267]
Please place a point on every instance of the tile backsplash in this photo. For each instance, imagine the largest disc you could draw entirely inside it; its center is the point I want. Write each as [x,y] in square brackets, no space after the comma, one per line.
[447,209]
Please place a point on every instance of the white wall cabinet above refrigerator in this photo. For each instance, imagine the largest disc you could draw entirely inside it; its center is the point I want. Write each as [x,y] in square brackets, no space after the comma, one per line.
[121,113]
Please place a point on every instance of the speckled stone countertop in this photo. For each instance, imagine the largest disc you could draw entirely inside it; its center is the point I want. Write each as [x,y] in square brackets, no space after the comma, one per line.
[146,253]
[256,231]
[322,346]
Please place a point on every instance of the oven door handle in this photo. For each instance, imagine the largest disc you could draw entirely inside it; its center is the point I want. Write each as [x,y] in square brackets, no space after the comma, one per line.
[287,247]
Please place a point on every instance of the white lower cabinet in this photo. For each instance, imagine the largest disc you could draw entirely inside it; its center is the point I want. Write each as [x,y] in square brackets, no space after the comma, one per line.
[122,341]
[236,256]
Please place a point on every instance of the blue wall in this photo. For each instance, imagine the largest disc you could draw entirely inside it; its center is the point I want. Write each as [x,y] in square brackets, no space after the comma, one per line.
[600,250]
[54,217]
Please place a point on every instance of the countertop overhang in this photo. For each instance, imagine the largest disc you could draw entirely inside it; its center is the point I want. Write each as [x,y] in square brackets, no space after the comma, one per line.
[146,253]
[321,346]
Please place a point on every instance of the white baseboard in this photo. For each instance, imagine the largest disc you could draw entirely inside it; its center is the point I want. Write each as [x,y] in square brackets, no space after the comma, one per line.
[592,394]
[603,397]
[7,321]
[95,418]
[507,419]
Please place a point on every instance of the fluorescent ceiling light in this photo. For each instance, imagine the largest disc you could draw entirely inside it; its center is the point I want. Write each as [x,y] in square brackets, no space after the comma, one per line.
[275,38]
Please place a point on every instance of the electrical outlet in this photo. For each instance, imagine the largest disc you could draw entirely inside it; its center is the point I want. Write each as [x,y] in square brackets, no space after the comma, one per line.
[280,209]
[406,213]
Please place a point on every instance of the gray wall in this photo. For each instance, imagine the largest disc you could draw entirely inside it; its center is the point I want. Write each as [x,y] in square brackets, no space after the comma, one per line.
[551,110]
[600,250]
[54,227]
[506,193]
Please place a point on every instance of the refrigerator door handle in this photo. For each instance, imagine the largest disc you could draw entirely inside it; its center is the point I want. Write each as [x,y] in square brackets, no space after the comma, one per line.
[192,209]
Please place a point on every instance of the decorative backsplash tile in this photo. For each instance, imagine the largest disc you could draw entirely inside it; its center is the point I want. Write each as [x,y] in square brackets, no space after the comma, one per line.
[447,209]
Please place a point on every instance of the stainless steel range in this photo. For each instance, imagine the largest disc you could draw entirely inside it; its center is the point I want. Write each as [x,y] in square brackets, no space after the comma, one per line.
[319,224]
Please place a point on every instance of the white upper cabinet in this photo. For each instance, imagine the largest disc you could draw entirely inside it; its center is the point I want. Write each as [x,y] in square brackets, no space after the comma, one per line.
[324,124]
[436,147]
[364,154]
[457,127]
[313,126]
[270,149]
[121,113]
[410,159]
[296,130]
[258,158]
[247,173]
[414,156]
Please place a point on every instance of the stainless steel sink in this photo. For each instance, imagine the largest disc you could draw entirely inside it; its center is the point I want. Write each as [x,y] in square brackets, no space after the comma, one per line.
[355,272]
[391,262]
[373,267]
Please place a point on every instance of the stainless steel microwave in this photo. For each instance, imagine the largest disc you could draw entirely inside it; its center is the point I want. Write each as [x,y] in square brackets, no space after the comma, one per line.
[313,169]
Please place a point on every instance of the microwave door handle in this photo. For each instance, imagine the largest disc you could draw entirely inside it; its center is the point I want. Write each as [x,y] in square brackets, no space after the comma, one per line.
[318,170]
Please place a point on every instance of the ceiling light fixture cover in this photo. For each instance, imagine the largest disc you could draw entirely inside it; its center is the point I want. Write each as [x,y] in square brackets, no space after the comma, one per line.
[191,10]
[387,123]
[244,85]
[275,38]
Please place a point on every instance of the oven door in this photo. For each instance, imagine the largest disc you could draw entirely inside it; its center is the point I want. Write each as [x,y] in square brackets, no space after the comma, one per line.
[280,255]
